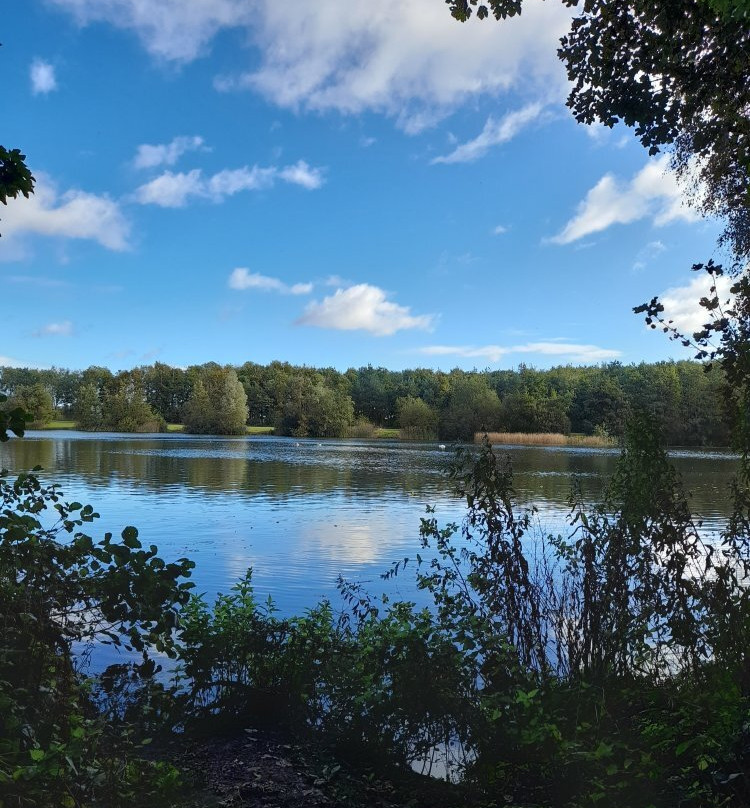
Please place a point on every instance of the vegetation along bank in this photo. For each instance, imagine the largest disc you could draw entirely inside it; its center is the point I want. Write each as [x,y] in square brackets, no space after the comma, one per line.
[683,398]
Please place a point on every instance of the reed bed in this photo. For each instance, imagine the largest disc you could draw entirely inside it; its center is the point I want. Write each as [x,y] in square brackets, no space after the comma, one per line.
[546,439]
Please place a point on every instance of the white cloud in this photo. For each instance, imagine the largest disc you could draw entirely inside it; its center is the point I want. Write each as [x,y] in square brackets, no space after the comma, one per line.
[494,133]
[231,181]
[410,60]
[62,329]
[647,254]
[499,229]
[42,76]
[302,174]
[681,302]
[241,279]
[175,30]
[175,189]
[337,280]
[363,307]
[653,192]
[152,155]
[405,58]
[170,190]
[72,214]
[573,352]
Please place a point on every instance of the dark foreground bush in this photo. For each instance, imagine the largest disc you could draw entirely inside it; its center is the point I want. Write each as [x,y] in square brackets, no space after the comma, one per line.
[605,667]
[62,591]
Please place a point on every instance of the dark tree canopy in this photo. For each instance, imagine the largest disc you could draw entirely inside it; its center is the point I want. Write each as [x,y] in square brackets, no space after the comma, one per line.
[15,179]
[15,176]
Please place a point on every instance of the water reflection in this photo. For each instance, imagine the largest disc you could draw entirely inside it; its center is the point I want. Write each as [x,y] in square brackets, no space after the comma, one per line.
[302,512]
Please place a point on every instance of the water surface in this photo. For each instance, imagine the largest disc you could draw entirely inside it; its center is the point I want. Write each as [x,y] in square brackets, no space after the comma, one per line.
[302,512]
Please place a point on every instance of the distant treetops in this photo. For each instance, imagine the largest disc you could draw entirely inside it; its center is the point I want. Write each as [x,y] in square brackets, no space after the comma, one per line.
[425,404]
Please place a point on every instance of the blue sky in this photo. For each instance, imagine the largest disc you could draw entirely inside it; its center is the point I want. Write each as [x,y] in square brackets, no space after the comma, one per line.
[324,183]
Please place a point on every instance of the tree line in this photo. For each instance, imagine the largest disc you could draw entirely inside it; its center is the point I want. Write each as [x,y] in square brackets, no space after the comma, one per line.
[683,397]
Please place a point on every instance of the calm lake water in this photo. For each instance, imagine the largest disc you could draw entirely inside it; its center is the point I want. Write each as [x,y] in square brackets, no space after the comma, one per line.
[302,512]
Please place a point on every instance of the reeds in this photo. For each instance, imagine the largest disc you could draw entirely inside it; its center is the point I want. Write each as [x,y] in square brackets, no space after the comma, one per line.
[546,439]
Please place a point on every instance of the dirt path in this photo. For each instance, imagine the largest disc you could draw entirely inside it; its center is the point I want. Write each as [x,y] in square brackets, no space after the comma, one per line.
[258,770]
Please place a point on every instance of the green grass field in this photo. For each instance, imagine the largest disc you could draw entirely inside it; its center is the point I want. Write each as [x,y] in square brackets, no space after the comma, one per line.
[249,430]
[59,425]
[380,432]
[387,432]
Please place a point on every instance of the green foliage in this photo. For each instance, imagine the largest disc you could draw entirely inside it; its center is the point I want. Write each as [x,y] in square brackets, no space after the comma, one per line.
[599,403]
[522,411]
[59,590]
[684,397]
[115,404]
[89,411]
[606,667]
[218,403]
[12,419]
[15,176]
[362,428]
[166,390]
[36,401]
[417,420]
[610,664]
[241,661]
[472,407]
[309,408]
[386,687]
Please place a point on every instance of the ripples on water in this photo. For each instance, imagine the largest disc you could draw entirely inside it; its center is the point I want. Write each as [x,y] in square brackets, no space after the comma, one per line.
[301,512]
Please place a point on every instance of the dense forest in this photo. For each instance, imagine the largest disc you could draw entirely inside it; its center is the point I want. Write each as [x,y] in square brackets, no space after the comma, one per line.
[683,398]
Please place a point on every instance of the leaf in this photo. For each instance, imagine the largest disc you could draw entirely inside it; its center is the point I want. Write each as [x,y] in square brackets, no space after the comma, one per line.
[130,537]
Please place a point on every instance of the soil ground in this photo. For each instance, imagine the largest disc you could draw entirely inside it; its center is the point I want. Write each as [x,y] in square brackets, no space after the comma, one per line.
[256,769]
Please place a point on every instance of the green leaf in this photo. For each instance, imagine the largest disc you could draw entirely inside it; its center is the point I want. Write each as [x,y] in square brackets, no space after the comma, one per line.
[130,537]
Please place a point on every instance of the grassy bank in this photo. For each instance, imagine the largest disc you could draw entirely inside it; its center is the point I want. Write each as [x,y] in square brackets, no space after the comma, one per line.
[546,439]
[387,432]
[379,432]
[393,433]
[59,425]
[249,430]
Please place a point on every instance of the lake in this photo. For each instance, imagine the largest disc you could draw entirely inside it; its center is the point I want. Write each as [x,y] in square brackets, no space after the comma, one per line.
[303,512]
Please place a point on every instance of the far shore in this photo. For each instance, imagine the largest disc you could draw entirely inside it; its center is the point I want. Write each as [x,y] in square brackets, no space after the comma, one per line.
[392,433]
[378,432]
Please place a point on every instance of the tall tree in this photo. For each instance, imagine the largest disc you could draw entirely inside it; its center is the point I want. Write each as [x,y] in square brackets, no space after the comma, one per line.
[36,401]
[218,403]
[15,179]
[417,420]
[472,407]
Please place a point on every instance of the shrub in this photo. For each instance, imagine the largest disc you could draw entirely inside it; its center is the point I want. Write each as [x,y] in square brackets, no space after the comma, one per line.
[418,421]
[59,589]
[217,404]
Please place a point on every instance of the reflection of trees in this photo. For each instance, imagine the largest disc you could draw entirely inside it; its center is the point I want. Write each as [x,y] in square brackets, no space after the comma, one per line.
[277,468]
[23,455]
